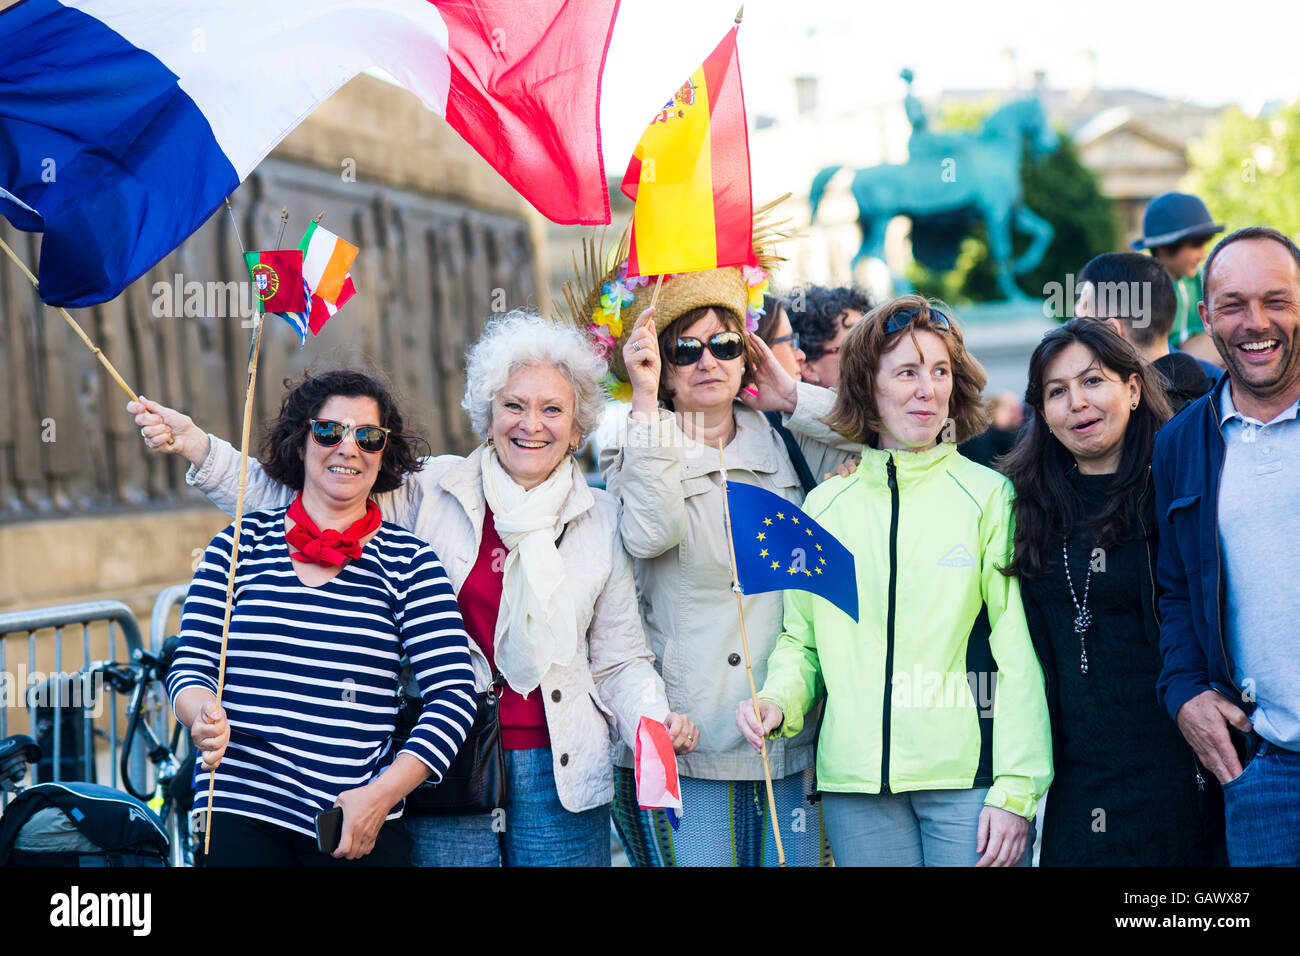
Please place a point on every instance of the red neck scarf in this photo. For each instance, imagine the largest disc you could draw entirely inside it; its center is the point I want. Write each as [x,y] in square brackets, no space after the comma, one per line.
[328,547]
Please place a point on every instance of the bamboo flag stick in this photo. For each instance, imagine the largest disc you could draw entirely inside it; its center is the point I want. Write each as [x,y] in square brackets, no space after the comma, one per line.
[749,666]
[258,321]
[103,359]
[655,294]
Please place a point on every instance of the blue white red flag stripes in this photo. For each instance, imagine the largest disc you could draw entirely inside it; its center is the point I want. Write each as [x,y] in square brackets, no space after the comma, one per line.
[98,98]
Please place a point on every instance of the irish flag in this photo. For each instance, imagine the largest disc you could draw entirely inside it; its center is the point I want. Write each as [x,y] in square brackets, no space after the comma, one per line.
[689,176]
[326,261]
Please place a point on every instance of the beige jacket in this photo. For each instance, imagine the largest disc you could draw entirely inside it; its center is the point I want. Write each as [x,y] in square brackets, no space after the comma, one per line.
[589,703]
[671,491]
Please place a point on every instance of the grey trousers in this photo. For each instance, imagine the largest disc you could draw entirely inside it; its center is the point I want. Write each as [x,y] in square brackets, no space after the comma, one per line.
[921,828]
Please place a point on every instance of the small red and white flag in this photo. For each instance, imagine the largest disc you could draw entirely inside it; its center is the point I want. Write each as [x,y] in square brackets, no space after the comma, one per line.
[657,785]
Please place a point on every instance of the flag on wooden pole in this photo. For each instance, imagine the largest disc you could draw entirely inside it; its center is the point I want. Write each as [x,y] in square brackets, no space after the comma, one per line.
[326,267]
[689,176]
[277,279]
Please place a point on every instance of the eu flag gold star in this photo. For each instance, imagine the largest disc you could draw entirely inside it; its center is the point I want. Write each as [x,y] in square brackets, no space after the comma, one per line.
[818,570]
[819,547]
[763,553]
[795,520]
[822,560]
[776,566]
[793,570]
[781,516]
[809,531]
[807,572]
[767,521]
[761,536]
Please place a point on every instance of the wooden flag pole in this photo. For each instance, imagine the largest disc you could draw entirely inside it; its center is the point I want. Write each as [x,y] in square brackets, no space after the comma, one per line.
[749,667]
[655,294]
[259,319]
[103,359]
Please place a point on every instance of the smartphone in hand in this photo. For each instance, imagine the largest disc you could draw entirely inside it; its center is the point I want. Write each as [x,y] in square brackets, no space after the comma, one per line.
[329,829]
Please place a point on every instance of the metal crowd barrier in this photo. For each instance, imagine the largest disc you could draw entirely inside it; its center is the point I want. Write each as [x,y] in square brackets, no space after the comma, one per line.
[28,691]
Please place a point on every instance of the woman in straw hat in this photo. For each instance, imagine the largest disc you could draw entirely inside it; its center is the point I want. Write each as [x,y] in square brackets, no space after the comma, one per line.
[541,579]
[686,363]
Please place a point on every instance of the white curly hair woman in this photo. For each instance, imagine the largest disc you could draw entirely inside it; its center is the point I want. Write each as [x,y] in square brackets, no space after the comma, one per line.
[543,583]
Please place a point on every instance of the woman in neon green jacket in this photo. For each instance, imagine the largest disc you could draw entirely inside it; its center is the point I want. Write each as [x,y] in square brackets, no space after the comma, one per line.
[935,745]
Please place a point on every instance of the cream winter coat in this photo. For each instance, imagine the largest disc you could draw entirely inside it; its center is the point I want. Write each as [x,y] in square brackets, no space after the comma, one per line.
[670,488]
[612,682]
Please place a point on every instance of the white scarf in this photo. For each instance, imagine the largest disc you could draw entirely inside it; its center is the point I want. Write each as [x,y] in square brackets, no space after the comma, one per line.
[536,624]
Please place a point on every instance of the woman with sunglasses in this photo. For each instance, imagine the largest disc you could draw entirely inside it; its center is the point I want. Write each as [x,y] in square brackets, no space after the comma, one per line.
[328,600]
[918,762]
[686,377]
[543,583]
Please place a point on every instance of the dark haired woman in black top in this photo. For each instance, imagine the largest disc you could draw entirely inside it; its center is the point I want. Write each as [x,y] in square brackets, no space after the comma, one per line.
[1127,790]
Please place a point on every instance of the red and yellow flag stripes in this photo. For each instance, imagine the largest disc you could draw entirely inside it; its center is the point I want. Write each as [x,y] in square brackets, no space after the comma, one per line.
[689,176]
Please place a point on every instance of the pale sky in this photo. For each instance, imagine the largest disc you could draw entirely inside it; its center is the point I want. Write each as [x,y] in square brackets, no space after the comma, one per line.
[1191,50]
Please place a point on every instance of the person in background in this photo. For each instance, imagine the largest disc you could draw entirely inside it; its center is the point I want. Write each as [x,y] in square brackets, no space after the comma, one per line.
[775,329]
[1128,790]
[1134,295]
[1008,415]
[821,317]
[1225,473]
[1176,228]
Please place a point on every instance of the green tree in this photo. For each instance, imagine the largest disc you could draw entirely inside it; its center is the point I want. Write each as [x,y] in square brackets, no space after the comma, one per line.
[1245,169]
[1063,191]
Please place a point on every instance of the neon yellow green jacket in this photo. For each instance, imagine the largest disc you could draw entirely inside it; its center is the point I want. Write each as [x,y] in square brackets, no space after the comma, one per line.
[936,687]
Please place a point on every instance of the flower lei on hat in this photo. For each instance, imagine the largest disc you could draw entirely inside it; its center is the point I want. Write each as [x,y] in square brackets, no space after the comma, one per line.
[603,296]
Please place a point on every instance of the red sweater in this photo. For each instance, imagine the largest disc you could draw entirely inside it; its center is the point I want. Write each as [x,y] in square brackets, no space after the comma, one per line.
[523,722]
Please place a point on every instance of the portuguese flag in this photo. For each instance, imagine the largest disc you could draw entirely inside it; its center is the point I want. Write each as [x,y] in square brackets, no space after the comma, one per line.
[277,279]
[689,176]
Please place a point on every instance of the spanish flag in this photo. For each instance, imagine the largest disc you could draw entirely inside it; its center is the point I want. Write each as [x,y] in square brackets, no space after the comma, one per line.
[689,176]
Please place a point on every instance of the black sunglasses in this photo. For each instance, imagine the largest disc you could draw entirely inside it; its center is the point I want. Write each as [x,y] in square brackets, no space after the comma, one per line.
[724,345]
[371,438]
[903,318]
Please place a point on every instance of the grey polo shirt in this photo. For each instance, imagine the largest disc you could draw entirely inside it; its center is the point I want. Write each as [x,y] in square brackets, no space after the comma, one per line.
[1259,532]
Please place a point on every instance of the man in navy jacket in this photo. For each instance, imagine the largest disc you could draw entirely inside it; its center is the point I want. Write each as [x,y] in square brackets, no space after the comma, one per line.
[1228,505]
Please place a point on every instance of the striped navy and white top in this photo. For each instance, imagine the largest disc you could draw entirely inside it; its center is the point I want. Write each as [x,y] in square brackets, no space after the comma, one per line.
[312,673]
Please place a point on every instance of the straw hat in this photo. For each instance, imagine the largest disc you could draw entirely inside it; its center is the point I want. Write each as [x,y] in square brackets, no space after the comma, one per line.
[606,303]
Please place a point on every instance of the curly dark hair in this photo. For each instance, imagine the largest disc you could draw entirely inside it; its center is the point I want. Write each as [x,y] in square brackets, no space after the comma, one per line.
[281,451]
[1046,508]
[814,312]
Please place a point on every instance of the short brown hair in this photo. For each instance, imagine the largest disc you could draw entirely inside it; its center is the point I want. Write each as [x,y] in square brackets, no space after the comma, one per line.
[678,326]
[854,413]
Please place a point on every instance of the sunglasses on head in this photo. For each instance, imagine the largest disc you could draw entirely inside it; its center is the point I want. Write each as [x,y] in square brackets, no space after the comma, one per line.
[903,318]
[371,438]
[724,345]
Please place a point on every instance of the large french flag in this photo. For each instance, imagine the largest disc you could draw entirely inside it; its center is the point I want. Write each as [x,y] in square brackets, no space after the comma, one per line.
[124,125]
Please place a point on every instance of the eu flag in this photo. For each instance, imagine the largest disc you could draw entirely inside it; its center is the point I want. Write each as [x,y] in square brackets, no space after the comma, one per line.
[778,547]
